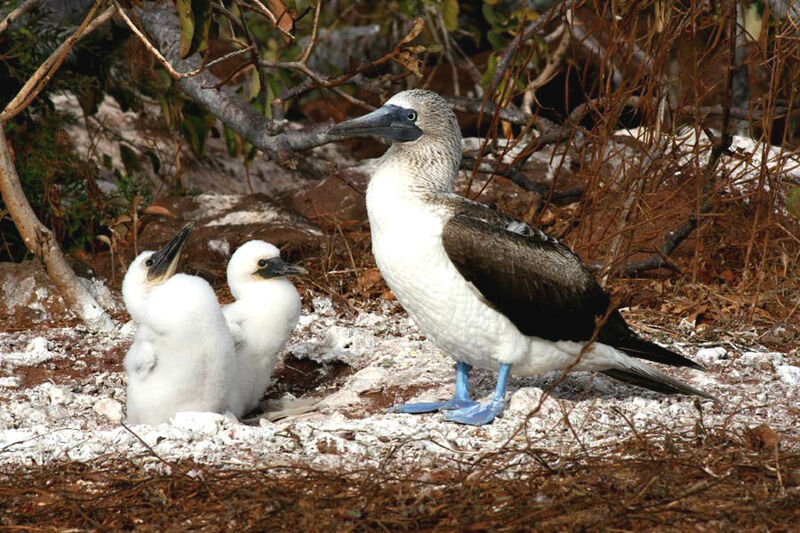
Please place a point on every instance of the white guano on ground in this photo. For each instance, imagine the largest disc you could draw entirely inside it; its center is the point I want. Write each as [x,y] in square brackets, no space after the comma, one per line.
[80,421]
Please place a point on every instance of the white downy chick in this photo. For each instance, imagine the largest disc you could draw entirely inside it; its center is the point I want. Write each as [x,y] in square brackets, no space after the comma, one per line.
[265,313]
[182,355]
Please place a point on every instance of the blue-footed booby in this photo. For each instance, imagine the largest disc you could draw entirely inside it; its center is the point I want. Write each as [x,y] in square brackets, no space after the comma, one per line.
[181,358]
[491,291]
[265,313]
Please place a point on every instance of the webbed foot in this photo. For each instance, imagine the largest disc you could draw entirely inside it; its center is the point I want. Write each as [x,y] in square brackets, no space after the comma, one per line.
[430,407]
[476,415]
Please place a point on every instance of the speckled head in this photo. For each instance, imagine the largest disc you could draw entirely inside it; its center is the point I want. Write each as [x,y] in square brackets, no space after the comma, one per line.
[426,137]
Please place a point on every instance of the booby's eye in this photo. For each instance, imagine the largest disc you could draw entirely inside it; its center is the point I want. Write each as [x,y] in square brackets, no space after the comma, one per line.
[262,263]
[412,116]
[148,263]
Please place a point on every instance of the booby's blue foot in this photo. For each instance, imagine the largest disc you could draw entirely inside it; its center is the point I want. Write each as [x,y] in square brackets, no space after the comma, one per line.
[461,400]
[430,407]
[478,415]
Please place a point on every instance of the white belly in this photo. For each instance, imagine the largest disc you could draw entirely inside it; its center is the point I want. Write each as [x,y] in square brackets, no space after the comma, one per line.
[406,242]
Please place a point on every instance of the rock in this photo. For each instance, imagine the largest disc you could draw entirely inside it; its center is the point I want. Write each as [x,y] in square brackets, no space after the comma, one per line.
[711,355]
[109,408]
[26,292]
[789,374]
[222,224]
[199,422]
[336,202]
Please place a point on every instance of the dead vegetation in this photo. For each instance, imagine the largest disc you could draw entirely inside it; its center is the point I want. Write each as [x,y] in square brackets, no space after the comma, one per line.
[708,480]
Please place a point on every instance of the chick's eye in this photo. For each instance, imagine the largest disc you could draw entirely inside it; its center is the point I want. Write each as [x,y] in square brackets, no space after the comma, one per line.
[148,263]
[412,116]
[262,263]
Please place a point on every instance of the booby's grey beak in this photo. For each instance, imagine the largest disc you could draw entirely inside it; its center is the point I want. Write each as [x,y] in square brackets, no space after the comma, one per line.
[277,267]
[163,263]
[390,121]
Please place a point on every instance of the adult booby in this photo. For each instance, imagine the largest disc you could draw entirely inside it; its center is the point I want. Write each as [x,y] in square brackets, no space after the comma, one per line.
[181,358]
[491,291]
[265,312]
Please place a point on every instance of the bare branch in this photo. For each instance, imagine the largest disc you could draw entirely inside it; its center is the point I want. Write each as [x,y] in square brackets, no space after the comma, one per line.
[15,14]
[162,25]
[551,67]
[313,37]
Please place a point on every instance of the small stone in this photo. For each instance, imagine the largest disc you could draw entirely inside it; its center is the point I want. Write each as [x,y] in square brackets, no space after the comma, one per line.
[109,408]
[37,345]
[789,374]
[198,422]
[711,355]
[58,396]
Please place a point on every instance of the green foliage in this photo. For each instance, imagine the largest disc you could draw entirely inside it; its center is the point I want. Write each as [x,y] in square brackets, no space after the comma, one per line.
[195,19]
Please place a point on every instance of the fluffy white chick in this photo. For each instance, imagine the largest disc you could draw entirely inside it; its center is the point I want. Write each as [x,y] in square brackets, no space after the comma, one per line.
[265,313]
[182,355]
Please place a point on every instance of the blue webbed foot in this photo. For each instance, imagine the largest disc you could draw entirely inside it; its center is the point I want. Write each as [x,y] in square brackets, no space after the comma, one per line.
[430,407]
[476,415]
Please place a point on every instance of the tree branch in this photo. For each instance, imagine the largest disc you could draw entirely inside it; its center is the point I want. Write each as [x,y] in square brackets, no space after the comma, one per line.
[15,14]
[161,23]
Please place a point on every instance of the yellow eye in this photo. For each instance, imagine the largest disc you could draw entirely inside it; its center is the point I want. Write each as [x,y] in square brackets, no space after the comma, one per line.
[412,116]
[262,263]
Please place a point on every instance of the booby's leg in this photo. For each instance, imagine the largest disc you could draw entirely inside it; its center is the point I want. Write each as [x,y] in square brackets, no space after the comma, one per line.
[461,399]
[480,414]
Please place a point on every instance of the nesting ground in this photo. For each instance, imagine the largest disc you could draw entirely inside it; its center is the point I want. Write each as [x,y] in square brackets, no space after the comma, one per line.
[62,393]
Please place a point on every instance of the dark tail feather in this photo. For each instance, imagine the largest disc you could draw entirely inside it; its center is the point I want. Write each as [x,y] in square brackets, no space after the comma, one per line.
[638,347]
[654,380]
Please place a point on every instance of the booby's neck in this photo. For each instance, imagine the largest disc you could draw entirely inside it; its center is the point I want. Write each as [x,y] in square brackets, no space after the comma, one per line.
[428,165]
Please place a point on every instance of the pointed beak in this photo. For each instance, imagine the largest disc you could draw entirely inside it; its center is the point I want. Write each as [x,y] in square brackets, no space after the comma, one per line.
[390,122]
[165,261]
[277,267]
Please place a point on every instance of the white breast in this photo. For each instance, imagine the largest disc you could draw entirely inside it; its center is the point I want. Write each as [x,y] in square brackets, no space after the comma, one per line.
[407,244]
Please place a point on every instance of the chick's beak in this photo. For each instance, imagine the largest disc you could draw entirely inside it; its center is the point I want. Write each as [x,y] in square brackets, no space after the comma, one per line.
[165,260]
[277,267]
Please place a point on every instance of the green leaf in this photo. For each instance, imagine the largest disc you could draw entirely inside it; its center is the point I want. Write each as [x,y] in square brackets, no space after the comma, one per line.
[793,202]
[491,17]
[129,159]
[231,140]
[497,39]
[186,19]
[196,126]
[491,67]
[201,11]
[450,14]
